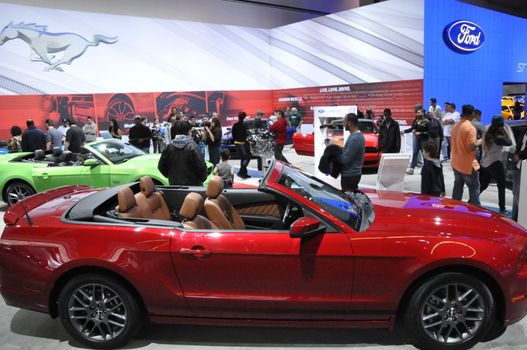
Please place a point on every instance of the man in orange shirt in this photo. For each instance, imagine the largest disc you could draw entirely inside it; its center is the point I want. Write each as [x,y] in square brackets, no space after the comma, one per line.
[464,163]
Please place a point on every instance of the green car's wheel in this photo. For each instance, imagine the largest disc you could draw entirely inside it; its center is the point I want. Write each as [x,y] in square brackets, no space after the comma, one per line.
[16,191]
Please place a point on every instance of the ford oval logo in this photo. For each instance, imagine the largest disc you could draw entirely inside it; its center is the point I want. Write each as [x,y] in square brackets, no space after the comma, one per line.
[464,36]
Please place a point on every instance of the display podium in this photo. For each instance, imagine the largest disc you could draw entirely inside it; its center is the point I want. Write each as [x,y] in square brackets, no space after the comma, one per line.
[328,129]
[392,168]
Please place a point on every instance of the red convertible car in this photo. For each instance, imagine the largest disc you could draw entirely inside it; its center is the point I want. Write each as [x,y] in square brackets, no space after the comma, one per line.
[293,252]
[304,144]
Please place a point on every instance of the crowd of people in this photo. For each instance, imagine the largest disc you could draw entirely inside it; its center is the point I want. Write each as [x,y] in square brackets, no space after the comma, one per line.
[475,151]
[477,154]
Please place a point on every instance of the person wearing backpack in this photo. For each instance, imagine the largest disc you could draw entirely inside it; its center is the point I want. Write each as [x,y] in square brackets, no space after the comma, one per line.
[182,162]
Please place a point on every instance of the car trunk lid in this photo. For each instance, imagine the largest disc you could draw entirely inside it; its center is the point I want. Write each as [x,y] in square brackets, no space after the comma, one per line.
[23,207]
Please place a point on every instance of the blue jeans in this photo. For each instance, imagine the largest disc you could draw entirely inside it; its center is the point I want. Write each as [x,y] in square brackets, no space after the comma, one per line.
[472,182]
[245,158]
[418,144]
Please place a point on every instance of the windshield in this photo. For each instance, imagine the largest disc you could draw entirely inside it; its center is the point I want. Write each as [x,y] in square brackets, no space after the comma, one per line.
[117,151]
[367,127]
[336,202]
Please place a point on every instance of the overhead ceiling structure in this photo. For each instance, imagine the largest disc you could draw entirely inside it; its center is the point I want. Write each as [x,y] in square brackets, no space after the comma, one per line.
[249,13]
[512,7]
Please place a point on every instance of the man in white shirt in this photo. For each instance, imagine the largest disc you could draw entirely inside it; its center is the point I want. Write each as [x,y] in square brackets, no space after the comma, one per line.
[64,128]
[450,118]
[434,109]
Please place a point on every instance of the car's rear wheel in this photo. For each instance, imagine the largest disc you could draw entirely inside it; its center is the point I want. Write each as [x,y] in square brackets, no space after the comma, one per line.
[16,191]
[99,312]
[450,311]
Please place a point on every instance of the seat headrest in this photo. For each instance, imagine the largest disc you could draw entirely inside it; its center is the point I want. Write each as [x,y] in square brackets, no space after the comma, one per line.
[39,154]
[214,187]
[147,185]
[68,156]
[126,200]
[57,151]
[192,206]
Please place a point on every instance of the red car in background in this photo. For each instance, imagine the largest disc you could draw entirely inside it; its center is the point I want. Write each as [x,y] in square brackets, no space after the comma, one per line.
[302,254]
[304,143]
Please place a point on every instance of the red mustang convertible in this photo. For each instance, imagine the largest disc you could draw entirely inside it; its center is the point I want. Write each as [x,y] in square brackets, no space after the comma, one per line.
[304,144]
[293,252]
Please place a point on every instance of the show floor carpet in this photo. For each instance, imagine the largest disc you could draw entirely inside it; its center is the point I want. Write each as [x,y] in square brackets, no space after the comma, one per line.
[21,329]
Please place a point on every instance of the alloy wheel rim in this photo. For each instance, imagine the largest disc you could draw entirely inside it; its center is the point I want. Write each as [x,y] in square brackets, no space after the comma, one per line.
[97,312]
[20,191]
[453,313]
[121,110]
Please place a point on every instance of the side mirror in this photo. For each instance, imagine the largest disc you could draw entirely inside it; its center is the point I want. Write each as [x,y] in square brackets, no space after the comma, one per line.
[91,162]
[306,227]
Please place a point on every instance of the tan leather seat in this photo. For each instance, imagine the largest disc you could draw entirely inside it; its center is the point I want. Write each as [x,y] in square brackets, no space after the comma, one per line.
[127,205]
[154,204]
[218,208]
[192,206]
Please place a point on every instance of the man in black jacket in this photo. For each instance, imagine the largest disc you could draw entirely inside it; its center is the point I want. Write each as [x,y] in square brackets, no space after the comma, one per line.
[140,135]
[182,162]
[33,138]
[389,134]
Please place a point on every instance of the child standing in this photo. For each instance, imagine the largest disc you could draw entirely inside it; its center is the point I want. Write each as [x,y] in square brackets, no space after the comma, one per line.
[432,180]
[224,169]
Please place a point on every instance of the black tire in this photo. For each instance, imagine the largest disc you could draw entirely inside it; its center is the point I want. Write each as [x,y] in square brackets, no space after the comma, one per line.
[495,332]
[450,311]
[110,319]
[19,188]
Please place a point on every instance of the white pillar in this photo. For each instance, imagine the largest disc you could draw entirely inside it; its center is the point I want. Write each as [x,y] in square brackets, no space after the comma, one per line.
[522,205]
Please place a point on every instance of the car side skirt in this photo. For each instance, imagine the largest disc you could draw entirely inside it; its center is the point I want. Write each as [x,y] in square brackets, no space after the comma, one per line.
[387,323]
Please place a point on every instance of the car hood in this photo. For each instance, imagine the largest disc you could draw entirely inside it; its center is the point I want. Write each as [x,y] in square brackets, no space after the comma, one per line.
[419,214]
[150,159]
[370,139]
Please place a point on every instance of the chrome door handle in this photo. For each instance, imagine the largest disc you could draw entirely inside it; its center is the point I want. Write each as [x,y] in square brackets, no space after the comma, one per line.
[197,252]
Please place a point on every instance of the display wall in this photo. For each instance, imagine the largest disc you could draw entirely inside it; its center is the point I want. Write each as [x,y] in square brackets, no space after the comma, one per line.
[475,78]
[382,42]
[15,109]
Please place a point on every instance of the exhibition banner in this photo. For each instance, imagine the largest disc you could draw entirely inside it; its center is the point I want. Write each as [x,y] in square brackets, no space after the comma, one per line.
[400,96]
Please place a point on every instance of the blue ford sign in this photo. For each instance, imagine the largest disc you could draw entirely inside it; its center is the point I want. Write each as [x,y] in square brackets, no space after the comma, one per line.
[463,36]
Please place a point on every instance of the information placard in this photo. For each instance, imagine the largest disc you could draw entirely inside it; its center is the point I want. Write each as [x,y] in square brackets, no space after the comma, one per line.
[390,176]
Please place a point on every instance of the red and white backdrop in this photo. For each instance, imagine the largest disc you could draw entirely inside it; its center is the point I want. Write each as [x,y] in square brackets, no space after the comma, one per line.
[371,56]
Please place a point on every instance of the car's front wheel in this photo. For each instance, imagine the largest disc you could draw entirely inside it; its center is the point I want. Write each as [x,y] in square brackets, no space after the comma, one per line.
[99,312]
[16,191]
[451,311]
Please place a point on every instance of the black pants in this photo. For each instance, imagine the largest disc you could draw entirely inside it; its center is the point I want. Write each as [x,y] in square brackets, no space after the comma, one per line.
[214,154]
[494,171]
[278,153]
[350,183]
[245,157]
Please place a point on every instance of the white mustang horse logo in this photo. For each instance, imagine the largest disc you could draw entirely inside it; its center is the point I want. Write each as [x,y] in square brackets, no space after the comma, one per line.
[43,43]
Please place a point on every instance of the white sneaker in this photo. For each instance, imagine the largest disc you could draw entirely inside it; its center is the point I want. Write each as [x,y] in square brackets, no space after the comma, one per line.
[410,171]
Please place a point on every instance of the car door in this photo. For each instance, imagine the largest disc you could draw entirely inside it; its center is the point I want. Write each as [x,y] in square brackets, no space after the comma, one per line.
[264,274]
[56,176]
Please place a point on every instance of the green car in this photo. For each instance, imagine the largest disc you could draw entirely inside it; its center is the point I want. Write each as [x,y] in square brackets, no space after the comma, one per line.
[105,163]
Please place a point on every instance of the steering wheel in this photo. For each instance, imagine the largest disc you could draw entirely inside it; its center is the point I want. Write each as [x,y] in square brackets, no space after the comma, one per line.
[286,213]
